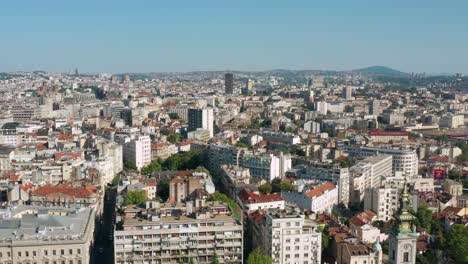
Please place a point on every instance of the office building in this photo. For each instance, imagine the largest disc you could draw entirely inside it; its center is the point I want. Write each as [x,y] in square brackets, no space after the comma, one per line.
[228,83]
[201,118]
[374,107]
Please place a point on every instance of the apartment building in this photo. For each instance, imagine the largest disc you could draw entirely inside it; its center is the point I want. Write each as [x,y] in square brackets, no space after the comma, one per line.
[288,236]
[318,199]
[138,151]
[382,200]
[46,235]
[323,171]
[165,233]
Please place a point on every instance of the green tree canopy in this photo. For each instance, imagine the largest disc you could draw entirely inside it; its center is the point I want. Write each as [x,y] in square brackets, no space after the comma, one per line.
[265,188]
[137,197]
[154,166]
[202,169]
[256,257]
[163,189]
[283,186]
[214,259]
[130,165]
[424,218]
[458,243]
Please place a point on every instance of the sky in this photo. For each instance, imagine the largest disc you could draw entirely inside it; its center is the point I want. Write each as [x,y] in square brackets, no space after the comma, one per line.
[175,35]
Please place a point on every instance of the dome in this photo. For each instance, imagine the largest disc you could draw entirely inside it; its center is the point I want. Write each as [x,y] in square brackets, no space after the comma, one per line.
[67,92]
[377,246]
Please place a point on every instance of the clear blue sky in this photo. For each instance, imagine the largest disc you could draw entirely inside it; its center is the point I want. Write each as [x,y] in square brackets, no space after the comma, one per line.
[175,35]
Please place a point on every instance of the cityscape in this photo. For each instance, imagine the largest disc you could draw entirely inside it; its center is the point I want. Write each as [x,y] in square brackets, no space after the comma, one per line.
[278,165]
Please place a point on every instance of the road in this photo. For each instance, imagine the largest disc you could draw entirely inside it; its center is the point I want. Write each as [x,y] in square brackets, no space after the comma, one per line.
[103,252]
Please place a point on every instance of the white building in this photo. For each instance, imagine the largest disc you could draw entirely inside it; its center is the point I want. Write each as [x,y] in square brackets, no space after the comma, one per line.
[319,199]
[312,127]
[404,160]
[138,151]
[201,118]
[383,201]
[452,121]
[288,237]
[368,173]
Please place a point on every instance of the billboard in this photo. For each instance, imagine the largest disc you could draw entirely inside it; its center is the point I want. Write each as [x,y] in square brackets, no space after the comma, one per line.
[439,174]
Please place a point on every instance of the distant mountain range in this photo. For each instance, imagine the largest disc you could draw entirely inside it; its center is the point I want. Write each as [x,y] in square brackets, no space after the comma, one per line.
[382,71]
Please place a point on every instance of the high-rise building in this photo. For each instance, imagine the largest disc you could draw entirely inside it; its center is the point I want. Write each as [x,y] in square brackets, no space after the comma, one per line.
[138,151]
[201,118]
[402,246]
[374,107]
[228,83]
[287,236]
[349,93]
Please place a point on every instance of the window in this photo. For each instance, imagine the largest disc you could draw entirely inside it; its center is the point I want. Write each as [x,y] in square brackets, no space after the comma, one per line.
[406,257]
[70,251]
[62,252]
[34,253]
[54,252]
[19,253]
[79,252]
[46,252]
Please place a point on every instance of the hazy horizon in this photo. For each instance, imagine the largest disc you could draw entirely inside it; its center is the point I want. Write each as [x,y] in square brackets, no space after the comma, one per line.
[186,36]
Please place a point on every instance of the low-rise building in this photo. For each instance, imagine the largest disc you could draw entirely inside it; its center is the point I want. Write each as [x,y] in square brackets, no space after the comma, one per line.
[318,199]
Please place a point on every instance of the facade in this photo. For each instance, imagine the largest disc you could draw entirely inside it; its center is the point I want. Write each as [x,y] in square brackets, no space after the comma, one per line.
[326,172]
[251,201]
[404,160]
[379,136]
[229,83]
[367,174]
[452,121]
[7,154]
[374,107]
[201,118]
[319,199]
[383,201]
[175,234]
[45,235]
[288,237]
[312,127]
[453,187]
[138,151]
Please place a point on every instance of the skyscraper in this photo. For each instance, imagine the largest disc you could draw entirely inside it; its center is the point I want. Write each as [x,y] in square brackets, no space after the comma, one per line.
[200,118]
[228,83]
[374,107]
[349,93]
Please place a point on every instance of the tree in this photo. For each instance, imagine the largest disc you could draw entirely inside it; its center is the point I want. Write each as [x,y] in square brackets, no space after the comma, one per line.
[202,169]
[283,186]
[130,165]
[256,257]
[241,145]
[163,189]
[215,259]
[174,116]
[221,197]
[458,243]
[424,218]
[173,137]
[191,261]
[265,188]
[137,197]
[154,166]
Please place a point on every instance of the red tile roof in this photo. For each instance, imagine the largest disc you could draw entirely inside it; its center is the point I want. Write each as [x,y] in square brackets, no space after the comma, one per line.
[81,192]
[320,190]
[249,197]
[376,132]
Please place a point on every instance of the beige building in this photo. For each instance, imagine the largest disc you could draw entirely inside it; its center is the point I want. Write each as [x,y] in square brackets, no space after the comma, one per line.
[178,233]
[46,235]
[453,187]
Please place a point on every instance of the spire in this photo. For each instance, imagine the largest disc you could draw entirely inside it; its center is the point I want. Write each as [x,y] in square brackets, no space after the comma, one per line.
[405,217]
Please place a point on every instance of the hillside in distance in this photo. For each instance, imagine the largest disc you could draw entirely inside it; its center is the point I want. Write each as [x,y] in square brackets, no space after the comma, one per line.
[382,71]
